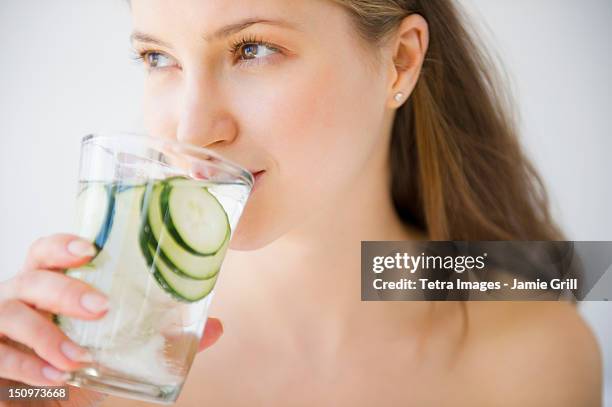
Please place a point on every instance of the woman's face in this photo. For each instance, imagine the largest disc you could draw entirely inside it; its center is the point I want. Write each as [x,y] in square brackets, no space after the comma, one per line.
[294,96]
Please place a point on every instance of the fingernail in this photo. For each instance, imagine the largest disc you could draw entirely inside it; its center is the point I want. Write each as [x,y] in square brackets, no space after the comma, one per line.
[94,302]
[75,352]
[55,375]
[81,248]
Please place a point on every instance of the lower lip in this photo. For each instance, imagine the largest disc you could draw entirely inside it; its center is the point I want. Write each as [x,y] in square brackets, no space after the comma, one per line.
[258,176]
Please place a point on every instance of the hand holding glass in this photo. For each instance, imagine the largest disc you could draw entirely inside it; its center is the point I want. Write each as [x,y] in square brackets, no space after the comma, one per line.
[161,215]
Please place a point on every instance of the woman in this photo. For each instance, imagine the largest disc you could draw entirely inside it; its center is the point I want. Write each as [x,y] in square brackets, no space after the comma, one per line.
[365,120]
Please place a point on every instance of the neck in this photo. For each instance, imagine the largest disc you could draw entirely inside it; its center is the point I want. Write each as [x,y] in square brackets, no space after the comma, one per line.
[308,282]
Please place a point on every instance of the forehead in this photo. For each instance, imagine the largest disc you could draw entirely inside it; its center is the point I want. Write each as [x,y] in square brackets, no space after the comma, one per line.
[209,15]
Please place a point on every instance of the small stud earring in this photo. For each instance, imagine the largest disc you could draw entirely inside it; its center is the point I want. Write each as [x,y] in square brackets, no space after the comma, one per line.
[399,96]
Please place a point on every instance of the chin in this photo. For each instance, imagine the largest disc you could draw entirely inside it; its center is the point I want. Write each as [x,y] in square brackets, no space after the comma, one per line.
[251,236]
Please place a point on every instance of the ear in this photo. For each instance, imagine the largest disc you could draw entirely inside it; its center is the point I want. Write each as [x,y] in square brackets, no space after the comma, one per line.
[408,49]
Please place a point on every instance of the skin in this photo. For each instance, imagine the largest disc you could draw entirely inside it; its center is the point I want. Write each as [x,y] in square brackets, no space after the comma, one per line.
[315,112]
[30,343]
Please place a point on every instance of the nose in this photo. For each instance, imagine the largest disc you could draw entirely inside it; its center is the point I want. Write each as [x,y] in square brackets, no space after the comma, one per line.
[204,119]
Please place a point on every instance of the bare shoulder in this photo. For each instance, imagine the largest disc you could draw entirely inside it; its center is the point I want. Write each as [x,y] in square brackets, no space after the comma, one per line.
[534,354]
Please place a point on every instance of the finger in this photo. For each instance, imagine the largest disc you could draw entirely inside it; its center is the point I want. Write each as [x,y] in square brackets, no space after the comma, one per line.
[212,332]
[56,293]
[58,252]
[28,368]
[26,326]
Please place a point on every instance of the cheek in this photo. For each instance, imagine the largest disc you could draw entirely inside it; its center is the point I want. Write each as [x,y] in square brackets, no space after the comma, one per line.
[320,132]
[313,119]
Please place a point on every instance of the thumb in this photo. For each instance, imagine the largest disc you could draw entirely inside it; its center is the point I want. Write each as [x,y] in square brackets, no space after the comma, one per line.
[212,332]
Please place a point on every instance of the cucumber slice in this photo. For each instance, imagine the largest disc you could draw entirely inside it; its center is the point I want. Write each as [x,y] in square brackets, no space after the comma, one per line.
[147,236]
[194,217]
[182,289]
[95,212]
[181,261]
[126,221]
[121,272]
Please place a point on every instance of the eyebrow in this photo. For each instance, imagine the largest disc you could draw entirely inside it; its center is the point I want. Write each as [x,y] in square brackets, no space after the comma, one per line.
[142,37]
[223,32]
[243,24]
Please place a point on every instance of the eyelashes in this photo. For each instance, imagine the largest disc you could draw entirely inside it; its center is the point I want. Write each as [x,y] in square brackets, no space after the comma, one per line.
[246,51]
[151,59]
[247,43]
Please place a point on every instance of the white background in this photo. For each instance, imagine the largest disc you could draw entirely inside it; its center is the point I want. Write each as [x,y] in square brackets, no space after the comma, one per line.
[65,71]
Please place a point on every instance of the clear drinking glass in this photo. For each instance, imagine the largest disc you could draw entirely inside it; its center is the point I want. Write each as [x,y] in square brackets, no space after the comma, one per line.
[161,214]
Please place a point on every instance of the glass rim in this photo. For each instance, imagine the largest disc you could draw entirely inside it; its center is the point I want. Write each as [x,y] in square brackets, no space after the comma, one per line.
[228,165]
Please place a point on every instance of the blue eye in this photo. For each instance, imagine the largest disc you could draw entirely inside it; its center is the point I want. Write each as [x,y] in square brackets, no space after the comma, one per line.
[157,60]
[255,50]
